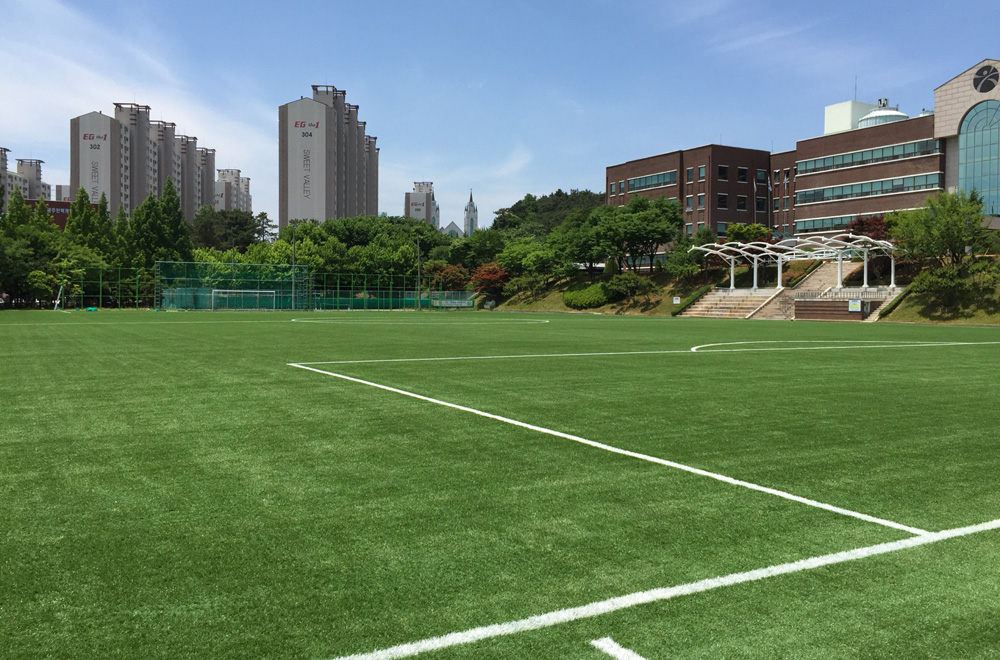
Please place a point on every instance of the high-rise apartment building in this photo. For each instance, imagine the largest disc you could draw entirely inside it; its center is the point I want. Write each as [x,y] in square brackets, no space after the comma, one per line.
[99,159]
[142,157]
[471,222]
[129,157]
[420,204]
[232,192]
[327,165]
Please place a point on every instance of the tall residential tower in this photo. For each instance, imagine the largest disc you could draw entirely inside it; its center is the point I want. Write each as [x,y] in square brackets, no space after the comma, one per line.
[327,165]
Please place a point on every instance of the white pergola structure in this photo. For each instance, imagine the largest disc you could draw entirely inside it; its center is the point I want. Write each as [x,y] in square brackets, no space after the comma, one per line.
[826,248]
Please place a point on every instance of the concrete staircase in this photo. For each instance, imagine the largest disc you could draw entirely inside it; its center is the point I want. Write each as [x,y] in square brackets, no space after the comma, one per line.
[874,316]
[782,306]
[723,304]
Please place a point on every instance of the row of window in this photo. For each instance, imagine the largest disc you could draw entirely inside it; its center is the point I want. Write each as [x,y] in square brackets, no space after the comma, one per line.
[651,181]
[670,178]
[869,156]
[722,202]
[824,224]
[781,203]
[869,188]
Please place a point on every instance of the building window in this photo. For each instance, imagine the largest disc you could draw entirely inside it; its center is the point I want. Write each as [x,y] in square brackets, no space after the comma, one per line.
[701,172]
[701,202]
[687,228]
[689,203]
[653,181]
[869,156]
[777,176]
[723,201]
[612,187]
[741,202]
[788,175]
[761,176]
[723,173]
[762,204]
[785,203]
[621,187]
[777,203]
[741,174]
[979,154]
[870,188]
[721,227]
[690,175]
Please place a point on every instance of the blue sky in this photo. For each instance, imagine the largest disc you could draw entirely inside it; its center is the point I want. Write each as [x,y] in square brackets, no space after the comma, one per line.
[505,98]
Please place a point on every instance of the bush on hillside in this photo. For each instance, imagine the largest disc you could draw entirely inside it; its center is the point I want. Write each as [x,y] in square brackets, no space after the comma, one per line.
[595,295]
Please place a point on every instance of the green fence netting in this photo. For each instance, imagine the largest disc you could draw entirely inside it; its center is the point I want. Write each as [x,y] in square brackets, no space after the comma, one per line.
[222,286]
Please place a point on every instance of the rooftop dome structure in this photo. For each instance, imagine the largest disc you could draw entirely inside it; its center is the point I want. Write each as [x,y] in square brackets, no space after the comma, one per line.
[883,114]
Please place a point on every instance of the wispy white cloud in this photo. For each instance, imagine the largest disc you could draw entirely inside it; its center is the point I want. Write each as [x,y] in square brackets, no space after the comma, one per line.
[70,64]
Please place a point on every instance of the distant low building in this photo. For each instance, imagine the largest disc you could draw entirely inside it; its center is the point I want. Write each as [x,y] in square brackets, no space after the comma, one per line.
[452,230]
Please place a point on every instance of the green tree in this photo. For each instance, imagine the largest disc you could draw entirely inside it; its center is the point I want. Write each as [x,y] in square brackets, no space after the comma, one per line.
[480,248]
[747,233]
[81,223]
[949,230]
[647,226]
[177,236]
[950,236]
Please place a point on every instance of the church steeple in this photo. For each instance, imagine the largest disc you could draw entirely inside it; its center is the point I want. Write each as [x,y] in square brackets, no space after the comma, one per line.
[471,216]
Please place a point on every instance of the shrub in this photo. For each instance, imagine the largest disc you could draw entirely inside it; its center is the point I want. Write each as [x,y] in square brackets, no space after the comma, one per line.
[629,285]
[595,295]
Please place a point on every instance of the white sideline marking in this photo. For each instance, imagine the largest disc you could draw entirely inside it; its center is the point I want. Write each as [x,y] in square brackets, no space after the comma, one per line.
[695,349]
[625,452]
[842,344]
[663,593]
[447,323]
[609,646]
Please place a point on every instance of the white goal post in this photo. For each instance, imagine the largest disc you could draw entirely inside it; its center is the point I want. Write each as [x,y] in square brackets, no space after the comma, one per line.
[243,299]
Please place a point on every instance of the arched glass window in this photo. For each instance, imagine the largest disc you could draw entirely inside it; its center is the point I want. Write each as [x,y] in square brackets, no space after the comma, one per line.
[979,154]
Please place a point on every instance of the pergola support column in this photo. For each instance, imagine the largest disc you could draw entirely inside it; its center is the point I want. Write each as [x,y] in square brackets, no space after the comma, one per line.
[892,271]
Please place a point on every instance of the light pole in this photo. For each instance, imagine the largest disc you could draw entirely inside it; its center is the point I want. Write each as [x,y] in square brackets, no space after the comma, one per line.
[417,241]
[293,264]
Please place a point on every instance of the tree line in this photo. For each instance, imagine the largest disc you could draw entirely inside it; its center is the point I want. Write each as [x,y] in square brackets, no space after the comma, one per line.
[531,244]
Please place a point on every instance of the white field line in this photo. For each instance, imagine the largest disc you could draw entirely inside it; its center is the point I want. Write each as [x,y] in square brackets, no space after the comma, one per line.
[856,344]
[609,646]
[663,593]
[625,452]
[444,323]
[842,345]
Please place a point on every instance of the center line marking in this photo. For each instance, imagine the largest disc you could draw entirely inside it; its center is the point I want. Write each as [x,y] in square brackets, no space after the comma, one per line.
[660,594]
[625,452]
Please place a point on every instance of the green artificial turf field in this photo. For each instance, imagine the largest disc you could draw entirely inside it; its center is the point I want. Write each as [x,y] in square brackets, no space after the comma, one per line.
[238,485]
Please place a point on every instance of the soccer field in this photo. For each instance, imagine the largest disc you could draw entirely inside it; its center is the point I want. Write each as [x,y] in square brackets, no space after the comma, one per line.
[486,485]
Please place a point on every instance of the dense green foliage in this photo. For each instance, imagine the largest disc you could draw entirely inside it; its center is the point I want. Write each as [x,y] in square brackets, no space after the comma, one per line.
[587,296]
[949,236]
[190,495]
[36,258]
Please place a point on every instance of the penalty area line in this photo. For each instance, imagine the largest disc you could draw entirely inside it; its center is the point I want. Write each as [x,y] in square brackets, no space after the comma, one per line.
[625,452]
[660,594]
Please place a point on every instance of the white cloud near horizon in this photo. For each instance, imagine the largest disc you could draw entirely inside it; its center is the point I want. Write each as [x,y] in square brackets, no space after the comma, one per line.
[60,48]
